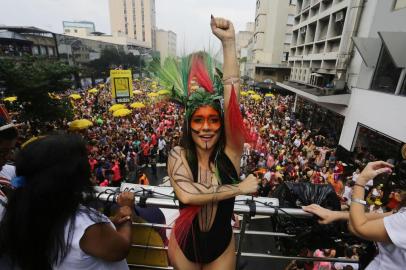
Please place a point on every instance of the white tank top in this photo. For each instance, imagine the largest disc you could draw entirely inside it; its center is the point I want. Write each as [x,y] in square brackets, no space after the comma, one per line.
[76,258]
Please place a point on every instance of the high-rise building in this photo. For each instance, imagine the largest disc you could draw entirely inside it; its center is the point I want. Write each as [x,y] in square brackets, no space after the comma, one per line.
[269,47]
[135,19]
[166,43]
[242,41]
[321,41]
[349,74]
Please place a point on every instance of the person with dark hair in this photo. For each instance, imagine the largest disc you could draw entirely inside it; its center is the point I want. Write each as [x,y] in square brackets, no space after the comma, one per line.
[387,229]
[204,171]
[8,139]
[48,223]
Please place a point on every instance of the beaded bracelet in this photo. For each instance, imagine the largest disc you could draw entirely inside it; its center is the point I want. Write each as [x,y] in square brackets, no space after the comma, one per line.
[356,184]
[231,80]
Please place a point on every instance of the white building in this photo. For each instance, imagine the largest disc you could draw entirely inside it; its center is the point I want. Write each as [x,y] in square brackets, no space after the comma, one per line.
[271,40]
[242,40]
[372,63]
[135,19]
[166,44]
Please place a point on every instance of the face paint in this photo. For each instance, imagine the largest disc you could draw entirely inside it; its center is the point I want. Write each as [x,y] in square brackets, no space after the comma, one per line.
[205,125]
[205,119]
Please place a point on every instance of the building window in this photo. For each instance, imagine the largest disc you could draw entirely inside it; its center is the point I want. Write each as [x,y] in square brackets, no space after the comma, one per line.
[67,30]
[76,30]
[134,19]
[285,56]
[399,4]
[403,89]
[291,19]
[288,38]
[51,51]
[35,50]
[43,50]
[293,2]
[258,4]
[386,75]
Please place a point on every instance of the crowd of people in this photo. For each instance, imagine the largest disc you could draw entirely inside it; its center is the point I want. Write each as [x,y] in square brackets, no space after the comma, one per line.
[281,149]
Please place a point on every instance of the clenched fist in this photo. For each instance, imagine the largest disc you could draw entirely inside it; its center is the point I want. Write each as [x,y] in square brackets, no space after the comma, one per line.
[223,29]
[249,185]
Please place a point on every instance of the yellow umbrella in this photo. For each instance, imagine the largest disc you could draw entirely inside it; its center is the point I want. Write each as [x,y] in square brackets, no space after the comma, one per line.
[137,92]
[121,113]
[10,99]
[256,97]
[75,96]
[270,95]
[101,85]
[137,105]
[242,93]
[116,107]
[53,96]
[32,139]
[164,92]
[153,94]
[251,92]
[92,91]
[80,124]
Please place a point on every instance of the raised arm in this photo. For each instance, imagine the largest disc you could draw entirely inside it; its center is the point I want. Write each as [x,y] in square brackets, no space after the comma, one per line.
[224,30]
[189,192]
[373,230]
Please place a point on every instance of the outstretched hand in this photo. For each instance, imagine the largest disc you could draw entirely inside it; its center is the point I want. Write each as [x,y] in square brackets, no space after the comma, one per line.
[326,216]
[222,28]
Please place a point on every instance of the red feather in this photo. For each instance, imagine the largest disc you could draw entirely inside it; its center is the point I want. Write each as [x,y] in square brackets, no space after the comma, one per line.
[183,225]
[238,130]
[199,73]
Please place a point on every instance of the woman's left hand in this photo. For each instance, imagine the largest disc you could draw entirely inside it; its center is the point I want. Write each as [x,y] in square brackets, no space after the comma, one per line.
[223,29]
[372,170]
[122,215]
[126,199]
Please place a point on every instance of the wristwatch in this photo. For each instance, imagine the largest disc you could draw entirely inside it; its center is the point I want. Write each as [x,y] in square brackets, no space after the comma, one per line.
[356,200]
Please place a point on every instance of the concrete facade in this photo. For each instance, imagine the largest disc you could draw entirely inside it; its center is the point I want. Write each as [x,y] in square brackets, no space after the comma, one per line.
[380,111]
[321,42]
[135,19]
[166,44]
[271,40]
[368,57]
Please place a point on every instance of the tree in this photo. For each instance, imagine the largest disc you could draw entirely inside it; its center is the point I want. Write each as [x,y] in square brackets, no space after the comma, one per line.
[31,80]
[112,58]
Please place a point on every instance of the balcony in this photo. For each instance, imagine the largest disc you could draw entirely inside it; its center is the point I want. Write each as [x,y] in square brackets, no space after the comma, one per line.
[317,91]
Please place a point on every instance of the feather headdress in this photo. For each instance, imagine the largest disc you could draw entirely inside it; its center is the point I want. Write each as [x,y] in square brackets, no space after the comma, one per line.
[192,80]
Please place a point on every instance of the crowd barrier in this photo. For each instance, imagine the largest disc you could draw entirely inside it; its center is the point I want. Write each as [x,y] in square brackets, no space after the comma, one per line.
[151,252]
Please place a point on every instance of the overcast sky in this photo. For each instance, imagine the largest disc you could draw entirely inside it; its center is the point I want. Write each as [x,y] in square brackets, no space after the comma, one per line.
[189,19]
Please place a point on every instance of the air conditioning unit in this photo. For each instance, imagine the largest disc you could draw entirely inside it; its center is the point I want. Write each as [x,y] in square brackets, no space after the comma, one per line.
[340,16]
[303,30]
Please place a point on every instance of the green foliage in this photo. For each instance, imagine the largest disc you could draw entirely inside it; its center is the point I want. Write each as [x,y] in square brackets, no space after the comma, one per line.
[31,79]
[111,58]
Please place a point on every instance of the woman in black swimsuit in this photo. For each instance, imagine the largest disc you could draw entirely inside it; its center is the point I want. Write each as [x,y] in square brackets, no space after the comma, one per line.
[204,170]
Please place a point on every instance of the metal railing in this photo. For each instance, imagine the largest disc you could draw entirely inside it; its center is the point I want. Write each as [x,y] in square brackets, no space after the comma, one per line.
[248,206]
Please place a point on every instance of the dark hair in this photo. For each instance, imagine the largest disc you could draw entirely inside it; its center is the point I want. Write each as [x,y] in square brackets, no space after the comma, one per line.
[189,145]
[9,134]
[57,173]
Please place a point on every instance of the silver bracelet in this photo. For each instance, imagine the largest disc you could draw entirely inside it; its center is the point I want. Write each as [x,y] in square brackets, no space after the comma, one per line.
[356,200]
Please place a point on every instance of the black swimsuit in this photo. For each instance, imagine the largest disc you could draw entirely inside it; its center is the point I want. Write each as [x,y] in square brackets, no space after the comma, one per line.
[205,247]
